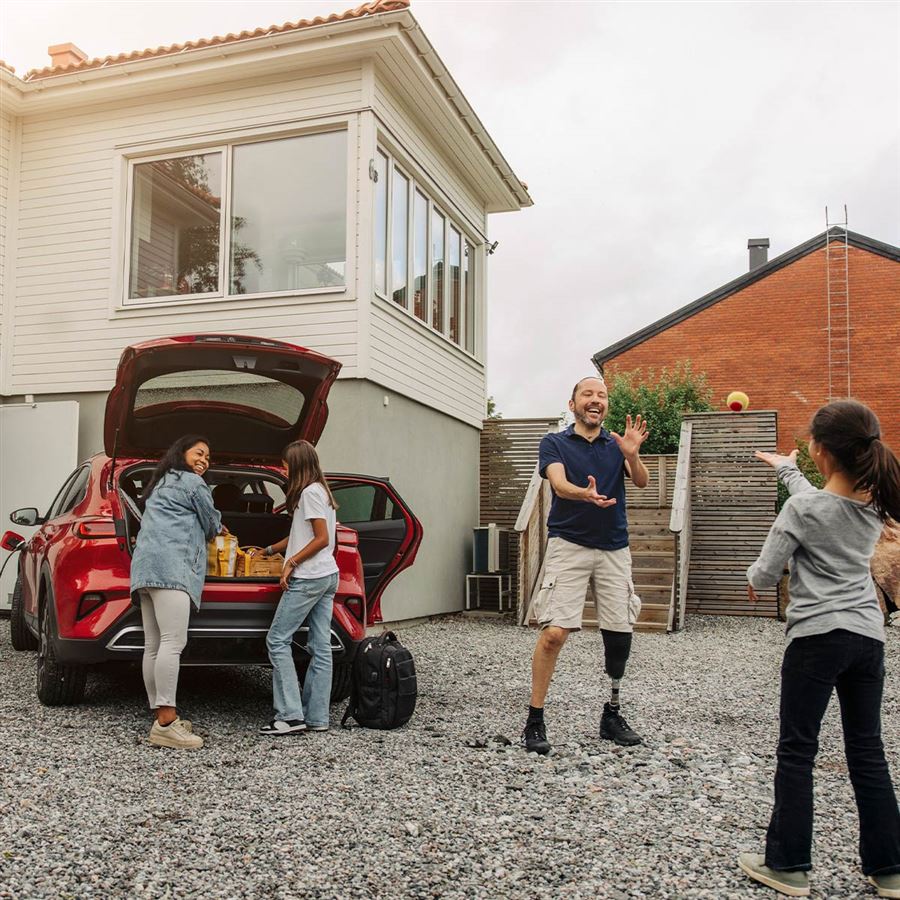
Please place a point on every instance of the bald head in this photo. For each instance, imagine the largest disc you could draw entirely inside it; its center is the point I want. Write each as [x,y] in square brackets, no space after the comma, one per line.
[596,378]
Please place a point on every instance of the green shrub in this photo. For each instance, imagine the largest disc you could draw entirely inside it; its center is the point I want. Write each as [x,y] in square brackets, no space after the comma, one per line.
[661,398]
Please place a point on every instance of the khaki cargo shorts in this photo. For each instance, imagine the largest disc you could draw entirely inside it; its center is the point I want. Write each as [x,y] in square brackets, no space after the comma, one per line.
[573,575]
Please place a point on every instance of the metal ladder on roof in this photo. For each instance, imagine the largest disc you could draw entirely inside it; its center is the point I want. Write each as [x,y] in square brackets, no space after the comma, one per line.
[837,298]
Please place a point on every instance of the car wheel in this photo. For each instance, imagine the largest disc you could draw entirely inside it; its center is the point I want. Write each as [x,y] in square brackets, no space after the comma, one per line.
[340,681]
[57,684]
[19,632]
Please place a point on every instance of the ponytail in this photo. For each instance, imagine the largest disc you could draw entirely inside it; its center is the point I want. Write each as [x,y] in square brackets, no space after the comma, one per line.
[880,476]
[851,433]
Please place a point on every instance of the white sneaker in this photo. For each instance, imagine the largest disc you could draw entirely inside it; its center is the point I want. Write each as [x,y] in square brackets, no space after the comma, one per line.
[174,735]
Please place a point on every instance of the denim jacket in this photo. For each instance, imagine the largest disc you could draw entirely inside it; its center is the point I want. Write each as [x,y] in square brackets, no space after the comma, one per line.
[178,521]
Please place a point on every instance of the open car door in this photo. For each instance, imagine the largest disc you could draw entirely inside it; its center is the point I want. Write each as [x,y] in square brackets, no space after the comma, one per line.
[389,534]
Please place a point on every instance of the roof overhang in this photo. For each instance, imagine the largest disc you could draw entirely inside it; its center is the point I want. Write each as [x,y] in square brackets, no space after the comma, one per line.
[271,53]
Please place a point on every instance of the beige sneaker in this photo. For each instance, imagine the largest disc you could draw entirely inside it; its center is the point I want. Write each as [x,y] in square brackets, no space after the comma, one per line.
[174,735]
[791,884]
[886,885]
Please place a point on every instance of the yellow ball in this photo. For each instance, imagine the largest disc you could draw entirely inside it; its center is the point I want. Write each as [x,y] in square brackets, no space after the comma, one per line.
[737,401]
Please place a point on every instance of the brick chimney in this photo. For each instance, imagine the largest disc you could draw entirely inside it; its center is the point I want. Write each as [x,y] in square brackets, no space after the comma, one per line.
[759,252]
[65,55]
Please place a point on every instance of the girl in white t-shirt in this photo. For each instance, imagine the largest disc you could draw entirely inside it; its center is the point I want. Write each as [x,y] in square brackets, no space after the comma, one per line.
[309,581]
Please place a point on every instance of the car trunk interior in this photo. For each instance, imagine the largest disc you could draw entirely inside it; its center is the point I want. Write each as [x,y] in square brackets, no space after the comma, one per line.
[250,503]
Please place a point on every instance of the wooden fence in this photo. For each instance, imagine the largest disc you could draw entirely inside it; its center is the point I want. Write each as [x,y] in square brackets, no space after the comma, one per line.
[651,545]
[732,507]
[509,452]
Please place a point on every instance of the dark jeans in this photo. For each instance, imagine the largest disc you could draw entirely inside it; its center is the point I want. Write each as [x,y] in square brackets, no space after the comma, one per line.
[814,666]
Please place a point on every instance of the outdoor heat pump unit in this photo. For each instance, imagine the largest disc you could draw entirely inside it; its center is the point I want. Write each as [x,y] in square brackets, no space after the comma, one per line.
[490,550]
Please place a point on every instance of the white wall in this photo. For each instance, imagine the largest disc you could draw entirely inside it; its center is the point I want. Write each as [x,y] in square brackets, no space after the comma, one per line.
[7,125]
[68,331]
[405,355]
[71,206]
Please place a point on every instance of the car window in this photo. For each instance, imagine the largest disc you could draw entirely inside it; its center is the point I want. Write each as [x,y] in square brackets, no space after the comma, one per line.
[76,491]
[59,499]
[364,503]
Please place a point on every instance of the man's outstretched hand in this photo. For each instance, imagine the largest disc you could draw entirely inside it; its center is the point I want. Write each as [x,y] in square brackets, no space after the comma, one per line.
[592,496]
[776,459]
[634,435]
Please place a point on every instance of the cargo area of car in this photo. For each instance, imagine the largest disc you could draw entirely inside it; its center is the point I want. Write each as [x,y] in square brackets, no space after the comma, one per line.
[251,503]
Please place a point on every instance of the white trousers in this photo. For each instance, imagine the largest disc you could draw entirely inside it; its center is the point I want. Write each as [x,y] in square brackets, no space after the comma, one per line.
[165,615]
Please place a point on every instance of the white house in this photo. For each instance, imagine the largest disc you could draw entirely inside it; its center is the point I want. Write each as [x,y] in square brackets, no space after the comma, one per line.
[323,182]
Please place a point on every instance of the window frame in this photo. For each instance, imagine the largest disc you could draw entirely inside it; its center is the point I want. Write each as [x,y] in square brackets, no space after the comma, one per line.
[134,157]
[468,238]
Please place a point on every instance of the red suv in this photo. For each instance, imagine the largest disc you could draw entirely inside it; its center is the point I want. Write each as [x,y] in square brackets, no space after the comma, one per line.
[250,397]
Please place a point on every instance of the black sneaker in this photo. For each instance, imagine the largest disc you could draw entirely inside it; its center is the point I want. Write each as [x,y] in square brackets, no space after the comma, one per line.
[614,728]
[279,727]
[534,738]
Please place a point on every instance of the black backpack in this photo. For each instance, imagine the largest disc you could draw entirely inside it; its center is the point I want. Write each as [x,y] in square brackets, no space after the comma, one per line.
[382,683]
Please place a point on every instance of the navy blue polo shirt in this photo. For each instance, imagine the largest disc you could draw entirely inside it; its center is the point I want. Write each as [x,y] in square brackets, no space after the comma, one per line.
[578,521]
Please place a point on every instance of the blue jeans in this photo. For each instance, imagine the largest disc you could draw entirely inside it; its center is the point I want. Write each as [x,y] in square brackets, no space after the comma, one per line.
[310,599]
[813,668]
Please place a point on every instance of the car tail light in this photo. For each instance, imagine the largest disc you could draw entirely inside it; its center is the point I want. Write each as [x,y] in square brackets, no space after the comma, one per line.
[88,603]
[93,530]
[355,605]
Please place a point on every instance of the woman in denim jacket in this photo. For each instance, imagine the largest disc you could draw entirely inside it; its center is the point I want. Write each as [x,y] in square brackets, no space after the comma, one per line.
[167,573]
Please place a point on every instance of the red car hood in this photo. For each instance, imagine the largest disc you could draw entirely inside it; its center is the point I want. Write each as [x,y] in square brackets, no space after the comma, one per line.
[249,396]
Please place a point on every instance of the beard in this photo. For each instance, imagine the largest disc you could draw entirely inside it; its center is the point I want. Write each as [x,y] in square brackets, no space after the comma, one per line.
[583,416]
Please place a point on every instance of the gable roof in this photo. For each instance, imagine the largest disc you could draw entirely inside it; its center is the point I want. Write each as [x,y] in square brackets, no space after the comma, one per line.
[367,9]
[679,315]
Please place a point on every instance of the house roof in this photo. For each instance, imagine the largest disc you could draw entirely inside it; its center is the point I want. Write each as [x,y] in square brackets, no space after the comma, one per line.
[779,262]
[129,74]
[367,9]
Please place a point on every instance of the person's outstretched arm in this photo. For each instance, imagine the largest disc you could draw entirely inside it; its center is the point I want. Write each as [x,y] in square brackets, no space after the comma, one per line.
[786,471]
[562,487]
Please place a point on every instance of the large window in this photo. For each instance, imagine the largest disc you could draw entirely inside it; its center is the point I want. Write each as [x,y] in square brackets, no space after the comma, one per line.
[422,255]
[283,229]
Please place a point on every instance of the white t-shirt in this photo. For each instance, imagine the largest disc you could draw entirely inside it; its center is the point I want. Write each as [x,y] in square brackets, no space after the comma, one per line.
[314,504]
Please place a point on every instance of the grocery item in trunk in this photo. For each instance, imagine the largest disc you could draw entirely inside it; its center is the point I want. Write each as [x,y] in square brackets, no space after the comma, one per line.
[252,562]
[221,556]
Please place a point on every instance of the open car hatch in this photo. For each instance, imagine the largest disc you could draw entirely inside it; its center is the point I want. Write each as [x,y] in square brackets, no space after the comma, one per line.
[248,396]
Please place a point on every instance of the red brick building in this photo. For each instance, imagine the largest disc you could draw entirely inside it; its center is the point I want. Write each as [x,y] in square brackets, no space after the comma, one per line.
[785,334]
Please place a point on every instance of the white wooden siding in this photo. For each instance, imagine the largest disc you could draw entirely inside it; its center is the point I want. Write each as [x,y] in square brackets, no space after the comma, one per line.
[407,358]
[415,137]
[70,207]
[6,129]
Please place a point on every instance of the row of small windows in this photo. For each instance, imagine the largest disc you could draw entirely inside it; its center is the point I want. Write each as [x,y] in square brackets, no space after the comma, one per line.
[423,262]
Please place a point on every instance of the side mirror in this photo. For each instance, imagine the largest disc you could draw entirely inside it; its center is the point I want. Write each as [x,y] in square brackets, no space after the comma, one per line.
[11,541]
[25,516]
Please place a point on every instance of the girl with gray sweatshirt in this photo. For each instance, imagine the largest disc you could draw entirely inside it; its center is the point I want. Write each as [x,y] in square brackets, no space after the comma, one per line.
[835,633]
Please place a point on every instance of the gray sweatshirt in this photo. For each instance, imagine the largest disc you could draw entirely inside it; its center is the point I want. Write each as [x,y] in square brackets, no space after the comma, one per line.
[829,541]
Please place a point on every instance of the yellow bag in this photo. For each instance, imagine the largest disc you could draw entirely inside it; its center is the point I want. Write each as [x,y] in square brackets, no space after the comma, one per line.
[257,565]
[221,556]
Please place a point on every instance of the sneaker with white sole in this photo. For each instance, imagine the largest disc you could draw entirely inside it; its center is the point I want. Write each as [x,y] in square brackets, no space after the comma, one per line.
[174,735]
[791,884]
[316,727]
[886,885]
[278,727]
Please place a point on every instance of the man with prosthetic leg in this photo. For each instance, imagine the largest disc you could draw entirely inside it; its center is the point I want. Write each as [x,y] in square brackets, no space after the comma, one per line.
[586,466]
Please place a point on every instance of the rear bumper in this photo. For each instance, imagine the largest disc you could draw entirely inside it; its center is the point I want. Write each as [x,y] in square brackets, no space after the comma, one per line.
[218,634]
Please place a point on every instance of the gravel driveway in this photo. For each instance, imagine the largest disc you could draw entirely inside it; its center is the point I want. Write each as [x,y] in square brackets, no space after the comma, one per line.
[437,809]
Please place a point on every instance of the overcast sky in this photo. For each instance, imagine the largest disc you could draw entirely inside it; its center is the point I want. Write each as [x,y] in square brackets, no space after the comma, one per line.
[655,138]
